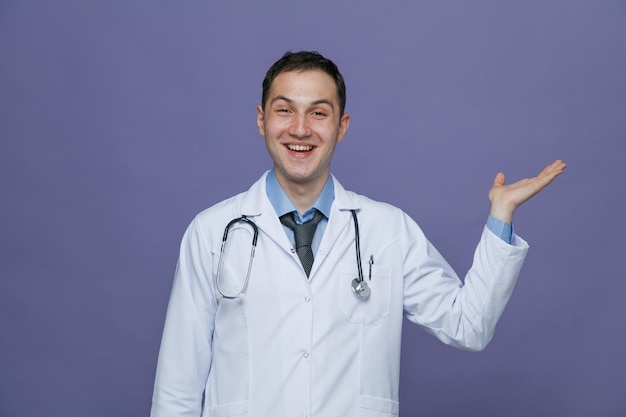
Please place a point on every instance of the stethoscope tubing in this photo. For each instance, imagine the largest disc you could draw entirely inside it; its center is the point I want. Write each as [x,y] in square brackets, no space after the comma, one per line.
[357,243]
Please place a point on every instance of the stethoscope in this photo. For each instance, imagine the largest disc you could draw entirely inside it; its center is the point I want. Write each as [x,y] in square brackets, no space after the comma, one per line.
[359,286]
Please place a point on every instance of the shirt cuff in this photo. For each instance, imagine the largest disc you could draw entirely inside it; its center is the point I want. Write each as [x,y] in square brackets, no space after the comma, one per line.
[501,229]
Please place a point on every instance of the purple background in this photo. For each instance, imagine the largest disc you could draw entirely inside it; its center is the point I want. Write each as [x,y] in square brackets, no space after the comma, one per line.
[121,120]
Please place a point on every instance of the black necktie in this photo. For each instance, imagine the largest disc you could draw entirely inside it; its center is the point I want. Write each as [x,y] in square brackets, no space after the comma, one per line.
[303,234]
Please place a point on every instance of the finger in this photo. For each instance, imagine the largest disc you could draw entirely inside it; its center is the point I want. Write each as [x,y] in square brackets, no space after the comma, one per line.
[548,175]
[551,171]
[556,167]
[559,166]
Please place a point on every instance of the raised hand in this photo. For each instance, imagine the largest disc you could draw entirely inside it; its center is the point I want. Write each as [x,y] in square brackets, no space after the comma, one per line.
[505,199]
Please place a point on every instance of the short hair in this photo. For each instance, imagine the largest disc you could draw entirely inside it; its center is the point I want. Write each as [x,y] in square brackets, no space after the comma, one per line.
[303,61]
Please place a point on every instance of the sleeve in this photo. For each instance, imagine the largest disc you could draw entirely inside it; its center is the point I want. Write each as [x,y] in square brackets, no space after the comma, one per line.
[501,229]
[461,314]
[186,346]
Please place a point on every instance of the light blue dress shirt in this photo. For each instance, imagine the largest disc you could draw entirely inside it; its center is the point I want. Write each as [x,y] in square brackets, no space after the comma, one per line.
[283,205]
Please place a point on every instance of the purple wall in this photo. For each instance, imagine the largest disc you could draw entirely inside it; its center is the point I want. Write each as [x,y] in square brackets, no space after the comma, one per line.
[121,120]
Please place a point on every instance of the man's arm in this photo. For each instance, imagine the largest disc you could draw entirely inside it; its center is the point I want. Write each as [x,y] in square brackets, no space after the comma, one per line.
[465,315]
[505,199]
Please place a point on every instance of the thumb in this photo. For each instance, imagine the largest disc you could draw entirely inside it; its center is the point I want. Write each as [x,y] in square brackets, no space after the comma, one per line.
[499,180]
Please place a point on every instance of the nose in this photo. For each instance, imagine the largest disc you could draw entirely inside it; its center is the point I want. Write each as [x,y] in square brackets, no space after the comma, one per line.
[300,127]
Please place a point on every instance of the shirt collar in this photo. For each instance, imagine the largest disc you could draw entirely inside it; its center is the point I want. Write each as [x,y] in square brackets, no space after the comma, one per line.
[283,205]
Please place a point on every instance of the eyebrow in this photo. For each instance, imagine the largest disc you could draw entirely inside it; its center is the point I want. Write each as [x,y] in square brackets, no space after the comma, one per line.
[314,103]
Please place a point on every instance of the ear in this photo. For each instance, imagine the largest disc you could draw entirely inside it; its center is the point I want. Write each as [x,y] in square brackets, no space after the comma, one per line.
[260,115]
[344,123]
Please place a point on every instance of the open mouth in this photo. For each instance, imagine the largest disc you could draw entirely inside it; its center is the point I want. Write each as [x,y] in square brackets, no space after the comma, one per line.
[300,148]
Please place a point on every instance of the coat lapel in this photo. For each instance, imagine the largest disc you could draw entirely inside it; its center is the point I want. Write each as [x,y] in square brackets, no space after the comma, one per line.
[340,219]
[259,209]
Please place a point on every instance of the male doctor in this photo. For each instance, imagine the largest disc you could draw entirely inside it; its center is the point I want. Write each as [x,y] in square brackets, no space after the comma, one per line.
[312,328]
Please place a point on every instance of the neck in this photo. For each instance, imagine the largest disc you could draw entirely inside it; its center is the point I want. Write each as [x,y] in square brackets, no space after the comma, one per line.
[304,194]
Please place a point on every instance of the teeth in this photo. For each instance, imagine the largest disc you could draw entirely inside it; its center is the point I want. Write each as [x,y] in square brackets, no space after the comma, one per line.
[299,148]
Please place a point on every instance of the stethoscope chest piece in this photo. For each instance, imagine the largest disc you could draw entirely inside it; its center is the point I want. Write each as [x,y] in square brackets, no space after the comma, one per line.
[361,289]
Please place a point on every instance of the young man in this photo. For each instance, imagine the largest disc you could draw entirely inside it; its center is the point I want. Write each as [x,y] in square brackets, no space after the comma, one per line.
[312,326]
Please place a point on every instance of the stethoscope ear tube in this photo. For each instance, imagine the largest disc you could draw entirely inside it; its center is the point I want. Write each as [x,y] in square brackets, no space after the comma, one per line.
[255,236]
[244,219]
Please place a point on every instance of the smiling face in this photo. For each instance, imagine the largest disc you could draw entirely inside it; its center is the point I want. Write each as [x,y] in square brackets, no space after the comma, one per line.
[302,124]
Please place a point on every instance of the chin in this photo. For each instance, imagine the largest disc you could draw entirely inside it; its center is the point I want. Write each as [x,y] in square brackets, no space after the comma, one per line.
[299,177]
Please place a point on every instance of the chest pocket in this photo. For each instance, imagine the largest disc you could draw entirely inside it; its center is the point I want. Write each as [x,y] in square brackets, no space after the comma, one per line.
[376,307]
